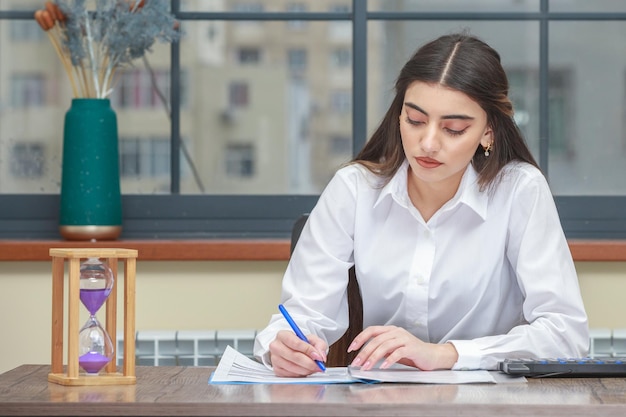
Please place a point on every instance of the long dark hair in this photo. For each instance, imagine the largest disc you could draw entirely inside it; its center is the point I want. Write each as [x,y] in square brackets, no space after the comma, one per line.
[467,64]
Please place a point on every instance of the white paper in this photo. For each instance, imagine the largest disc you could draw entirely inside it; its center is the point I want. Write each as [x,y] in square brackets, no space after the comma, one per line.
[236,368]
[406,374]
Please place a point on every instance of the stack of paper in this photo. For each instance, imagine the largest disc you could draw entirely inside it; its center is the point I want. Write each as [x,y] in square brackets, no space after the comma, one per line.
[236,368]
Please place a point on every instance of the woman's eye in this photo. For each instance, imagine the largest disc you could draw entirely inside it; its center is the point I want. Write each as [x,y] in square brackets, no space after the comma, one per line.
[413,122]
[455,132]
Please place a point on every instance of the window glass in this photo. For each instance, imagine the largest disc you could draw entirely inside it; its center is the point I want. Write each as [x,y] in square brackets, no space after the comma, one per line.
[28,90]
[341,58]
[519,50]
[240,160]
[296,8]
[27,160]
[603,6]
[266,106]
[25,31]
[35,94]
[454,5]
[590,158]
[272,123]
[296,59]
[264,6]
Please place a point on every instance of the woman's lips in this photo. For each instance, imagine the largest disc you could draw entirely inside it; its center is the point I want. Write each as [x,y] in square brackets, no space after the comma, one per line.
[427,162]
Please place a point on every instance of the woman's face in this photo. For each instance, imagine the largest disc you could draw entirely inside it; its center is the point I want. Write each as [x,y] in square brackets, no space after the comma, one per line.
[441,129]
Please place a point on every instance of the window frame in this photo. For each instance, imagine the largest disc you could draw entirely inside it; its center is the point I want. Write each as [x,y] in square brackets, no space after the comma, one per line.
[179,216]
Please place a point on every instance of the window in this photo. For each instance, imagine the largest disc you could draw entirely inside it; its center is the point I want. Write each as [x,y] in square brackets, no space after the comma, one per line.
[297,60]
[238,94]
[240,160]
[28,90]
[27,160]
[296,8]
[135,89]
[525,96]
[25,31]
[340,30]
[247,6]
[248,56]
[243,8]
[341,58]
[149,157]
[341,101]
[340,145]
[271,97]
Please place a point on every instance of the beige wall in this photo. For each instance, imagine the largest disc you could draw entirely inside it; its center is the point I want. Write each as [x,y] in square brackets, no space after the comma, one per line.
[214,295]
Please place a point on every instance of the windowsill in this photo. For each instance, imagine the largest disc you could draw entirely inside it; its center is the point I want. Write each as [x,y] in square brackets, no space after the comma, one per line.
[243,250]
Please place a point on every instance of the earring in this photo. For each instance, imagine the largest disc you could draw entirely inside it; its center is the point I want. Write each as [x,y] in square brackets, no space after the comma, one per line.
[487,149]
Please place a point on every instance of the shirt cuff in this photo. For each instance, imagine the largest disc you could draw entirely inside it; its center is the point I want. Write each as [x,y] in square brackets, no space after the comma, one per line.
[261,349]
[469,355]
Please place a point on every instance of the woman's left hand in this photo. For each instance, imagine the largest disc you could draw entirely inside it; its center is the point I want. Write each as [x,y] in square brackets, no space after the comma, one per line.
[395,344]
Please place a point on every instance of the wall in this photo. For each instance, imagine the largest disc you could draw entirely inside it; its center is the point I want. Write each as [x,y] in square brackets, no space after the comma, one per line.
[214,295]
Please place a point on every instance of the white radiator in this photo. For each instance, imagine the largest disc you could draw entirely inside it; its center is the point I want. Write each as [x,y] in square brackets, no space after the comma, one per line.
[185,347]
[205,347]
[607,343]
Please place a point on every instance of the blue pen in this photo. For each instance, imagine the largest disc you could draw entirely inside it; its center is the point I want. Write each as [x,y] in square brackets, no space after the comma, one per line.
[298,332]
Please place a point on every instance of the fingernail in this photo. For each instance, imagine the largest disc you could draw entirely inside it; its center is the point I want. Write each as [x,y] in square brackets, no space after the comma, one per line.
[366,365]
[356,361]
[316,356]
[351,347]
[384,365]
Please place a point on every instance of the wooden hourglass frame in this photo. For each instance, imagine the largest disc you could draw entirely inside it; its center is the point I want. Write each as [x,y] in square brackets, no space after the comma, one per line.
[109,374]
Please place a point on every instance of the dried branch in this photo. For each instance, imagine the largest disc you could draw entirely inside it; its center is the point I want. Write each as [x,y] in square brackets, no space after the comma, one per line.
[93,44]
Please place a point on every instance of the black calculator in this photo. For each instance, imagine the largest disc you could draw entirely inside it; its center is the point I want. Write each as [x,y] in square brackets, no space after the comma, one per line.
[565,368]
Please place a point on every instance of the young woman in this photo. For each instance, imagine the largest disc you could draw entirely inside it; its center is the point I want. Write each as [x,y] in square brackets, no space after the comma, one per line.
[452,230]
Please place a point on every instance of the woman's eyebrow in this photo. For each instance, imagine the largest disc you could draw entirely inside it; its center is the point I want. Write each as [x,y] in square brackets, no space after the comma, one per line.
[448,116]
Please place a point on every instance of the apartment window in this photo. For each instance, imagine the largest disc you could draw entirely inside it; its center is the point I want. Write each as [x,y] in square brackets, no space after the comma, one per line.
[25,31]
[247,7]
[525,96]
[341,101]
[135,89]
[238,95]
[240,160]
[248,56]
[27,160]
[341,58]
[296,8]
[297,60]
[340,30]
[144,157]
[28,90]
[340,145]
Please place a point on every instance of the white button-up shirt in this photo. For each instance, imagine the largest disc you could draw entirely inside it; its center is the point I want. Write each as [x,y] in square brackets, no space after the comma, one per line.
[490,272]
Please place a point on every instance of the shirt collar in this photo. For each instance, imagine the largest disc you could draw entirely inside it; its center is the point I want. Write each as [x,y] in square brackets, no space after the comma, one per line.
[469,192]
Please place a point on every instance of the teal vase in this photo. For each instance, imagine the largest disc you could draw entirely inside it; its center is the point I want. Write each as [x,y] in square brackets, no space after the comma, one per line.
[91,202]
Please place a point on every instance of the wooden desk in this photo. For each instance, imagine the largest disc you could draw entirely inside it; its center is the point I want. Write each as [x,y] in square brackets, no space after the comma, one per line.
[184,391]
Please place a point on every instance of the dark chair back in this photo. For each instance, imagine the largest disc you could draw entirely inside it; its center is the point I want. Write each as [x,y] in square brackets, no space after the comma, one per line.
[338,352]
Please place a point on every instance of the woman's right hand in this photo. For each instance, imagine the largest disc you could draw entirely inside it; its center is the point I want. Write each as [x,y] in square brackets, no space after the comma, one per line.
[292,357]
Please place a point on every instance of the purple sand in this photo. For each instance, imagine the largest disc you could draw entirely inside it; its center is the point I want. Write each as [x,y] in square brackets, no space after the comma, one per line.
[92,362]
[93,299]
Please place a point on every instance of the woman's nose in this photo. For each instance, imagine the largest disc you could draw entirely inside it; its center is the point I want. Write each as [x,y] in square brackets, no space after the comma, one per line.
[430,141]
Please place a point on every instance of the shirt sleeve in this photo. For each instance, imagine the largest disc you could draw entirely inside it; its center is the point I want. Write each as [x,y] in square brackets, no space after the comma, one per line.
[315,281]
[555,322]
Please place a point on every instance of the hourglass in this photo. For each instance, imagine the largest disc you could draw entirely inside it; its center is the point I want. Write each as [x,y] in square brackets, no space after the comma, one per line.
[95,348]
[92,283]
